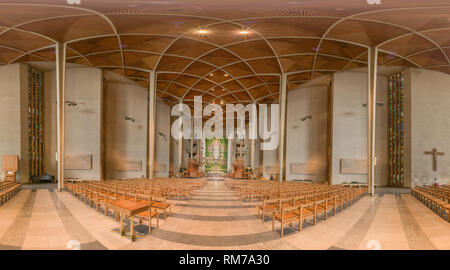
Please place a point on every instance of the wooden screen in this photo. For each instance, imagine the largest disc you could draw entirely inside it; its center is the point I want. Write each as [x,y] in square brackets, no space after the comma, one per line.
[35,123]
[396,130]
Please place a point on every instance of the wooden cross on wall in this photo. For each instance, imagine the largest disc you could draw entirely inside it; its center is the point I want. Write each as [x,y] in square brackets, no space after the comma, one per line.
[435,154]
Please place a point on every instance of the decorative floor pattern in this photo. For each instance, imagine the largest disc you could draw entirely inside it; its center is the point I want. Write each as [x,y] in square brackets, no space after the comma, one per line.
[41,218]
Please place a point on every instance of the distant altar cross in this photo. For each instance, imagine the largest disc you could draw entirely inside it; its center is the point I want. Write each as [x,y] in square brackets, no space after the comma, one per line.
[435,154]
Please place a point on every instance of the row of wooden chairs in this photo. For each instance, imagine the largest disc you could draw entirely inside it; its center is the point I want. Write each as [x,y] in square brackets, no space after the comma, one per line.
[165,187]
[262,190]
[98,194]
[8,189]
[436,198]
[310,205]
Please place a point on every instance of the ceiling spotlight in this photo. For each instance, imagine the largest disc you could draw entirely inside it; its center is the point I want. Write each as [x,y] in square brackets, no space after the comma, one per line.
[221,102]
[202,31]
[243,32]
[212,74]
[226,75]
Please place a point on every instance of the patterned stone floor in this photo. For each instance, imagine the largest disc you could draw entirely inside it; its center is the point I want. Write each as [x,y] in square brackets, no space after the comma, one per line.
[42,218]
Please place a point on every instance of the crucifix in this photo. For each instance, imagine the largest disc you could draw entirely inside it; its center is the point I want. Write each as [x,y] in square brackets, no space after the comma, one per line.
[435,154]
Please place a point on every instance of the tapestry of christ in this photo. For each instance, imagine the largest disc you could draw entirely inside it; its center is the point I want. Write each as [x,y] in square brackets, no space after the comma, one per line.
[216,155]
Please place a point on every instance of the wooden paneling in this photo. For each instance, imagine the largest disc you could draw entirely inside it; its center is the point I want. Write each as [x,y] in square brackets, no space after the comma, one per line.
[10,163]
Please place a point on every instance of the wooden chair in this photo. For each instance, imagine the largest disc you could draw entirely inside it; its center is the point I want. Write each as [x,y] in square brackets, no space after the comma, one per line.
[160,203]
[287,215]
[306,211]
[148,215]
[267,206]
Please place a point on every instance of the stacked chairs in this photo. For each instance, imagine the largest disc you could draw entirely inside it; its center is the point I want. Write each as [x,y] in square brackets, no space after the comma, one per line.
[435,197]
[8,190]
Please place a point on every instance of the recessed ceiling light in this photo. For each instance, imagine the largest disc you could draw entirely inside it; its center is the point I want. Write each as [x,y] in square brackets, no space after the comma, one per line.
[202,31]
[243,32]
[226,75]
[212,74]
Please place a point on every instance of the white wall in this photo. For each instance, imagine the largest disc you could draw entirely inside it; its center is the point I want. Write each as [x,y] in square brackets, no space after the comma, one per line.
[125,140]
[14,116]
[163,137]
[307,141]
[82,122]
[350,125]
[429,123]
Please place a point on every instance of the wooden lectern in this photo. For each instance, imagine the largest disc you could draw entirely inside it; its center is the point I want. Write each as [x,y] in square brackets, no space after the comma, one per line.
[10,166]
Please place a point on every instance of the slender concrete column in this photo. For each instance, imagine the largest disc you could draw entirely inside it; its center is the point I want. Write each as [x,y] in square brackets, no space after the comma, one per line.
[151,125]
[252,153]
[180,151]
[61,100]
[180,145]
[281,145]
[372,99]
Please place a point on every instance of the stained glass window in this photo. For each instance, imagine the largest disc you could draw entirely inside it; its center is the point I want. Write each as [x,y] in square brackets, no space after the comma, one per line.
[396,130]
[35,123]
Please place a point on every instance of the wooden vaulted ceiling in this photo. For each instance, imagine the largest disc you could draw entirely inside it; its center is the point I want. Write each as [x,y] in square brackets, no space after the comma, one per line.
[305,39]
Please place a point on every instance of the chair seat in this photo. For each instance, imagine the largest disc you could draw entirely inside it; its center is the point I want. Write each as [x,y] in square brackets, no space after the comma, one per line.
[160,205]
[283,205]
[305,212]
[287,216]
[146,214]
[268,207]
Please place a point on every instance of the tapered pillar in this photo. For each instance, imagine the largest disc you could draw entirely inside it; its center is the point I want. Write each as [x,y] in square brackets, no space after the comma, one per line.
[252,140]
[61,97]
[151,125]
[180,151]
[282,130]
[372,94]
[180,143]
[252,153]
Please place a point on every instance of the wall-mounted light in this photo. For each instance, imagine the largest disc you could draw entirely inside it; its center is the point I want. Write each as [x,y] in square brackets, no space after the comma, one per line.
[73,103]
[127,118]
[379,104]
[306,118]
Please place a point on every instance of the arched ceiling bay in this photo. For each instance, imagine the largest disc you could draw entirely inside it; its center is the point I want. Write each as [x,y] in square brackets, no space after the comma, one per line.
[226,51]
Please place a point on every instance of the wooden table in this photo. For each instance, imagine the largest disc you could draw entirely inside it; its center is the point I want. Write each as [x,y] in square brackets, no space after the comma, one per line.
[127,208]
